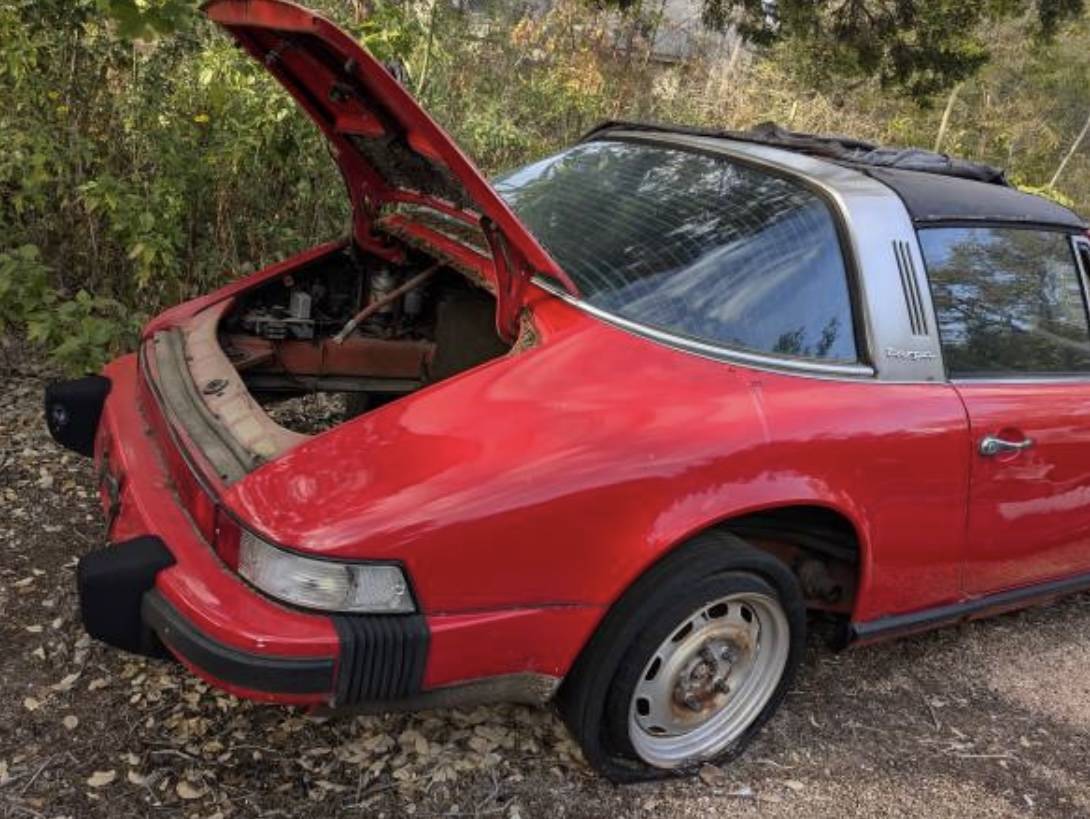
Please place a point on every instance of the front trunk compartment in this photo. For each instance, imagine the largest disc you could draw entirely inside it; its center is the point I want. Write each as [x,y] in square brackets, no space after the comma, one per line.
[255,374]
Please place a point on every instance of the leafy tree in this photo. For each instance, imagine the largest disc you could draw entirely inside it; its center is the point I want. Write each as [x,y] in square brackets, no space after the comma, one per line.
[146,19]
[146,159]
[918,46]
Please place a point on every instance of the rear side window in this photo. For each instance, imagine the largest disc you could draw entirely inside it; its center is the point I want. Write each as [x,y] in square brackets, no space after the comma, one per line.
[696,245]
[1008,301]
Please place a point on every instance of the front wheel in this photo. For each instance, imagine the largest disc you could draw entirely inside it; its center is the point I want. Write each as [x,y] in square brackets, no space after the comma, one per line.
[689,664]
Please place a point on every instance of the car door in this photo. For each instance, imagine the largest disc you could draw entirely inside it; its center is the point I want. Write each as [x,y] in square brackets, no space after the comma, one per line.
[1012,313]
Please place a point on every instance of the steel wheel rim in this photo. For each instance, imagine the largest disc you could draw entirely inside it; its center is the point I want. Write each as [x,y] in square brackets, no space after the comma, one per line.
[709,680]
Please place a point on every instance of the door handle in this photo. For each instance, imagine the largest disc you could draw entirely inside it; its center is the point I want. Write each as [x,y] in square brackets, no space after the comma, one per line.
[992,445]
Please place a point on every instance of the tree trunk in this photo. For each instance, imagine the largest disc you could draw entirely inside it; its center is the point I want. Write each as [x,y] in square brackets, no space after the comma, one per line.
[1070,153]
[634,24]
[946,116]
[654,34]
[432,14]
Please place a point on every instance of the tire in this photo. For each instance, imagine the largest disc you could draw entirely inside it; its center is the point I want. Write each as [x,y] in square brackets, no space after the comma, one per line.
[733,672]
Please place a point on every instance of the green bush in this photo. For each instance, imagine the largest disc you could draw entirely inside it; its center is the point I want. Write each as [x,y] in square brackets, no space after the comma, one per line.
[80,333]
[146,159]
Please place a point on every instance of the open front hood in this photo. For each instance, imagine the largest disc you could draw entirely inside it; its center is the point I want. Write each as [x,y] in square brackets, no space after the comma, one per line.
[388,149]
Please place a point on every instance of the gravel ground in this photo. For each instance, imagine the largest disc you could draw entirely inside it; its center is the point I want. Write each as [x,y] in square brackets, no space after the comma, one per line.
[990,719]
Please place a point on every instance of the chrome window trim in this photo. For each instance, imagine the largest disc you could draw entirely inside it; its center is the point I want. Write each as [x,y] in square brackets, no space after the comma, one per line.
[1074,241]
[1021,380]
[718,352]
[1078,241]
[873,218]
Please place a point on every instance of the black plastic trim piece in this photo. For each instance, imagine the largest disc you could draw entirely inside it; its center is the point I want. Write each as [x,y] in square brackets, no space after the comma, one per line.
[73,410]
[270,674]
[111,583]
[382,657]
[901,624]
[522,687]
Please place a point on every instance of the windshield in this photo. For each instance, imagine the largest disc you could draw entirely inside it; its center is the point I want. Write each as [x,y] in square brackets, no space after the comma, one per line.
[698,245]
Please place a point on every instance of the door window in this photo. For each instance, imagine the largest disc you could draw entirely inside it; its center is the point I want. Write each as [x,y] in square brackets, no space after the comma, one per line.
[1007,301]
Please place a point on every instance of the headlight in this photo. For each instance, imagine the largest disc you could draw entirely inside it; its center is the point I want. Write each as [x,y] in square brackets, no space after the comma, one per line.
[323,584]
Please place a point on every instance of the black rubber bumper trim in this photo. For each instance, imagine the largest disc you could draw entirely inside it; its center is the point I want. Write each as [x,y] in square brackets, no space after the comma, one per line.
[111,582]
[271,675]
[73,410]
[899,625]
[382,657]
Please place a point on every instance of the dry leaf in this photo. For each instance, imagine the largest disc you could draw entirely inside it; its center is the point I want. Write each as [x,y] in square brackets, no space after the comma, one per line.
[95,684]
[33,629]
[187,790]
[712,776]
[70,722]
[100,779]
[31,704]
[67,683]
[136,778]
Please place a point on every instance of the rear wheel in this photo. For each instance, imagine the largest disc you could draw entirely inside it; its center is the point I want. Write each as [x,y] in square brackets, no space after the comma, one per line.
[690,663]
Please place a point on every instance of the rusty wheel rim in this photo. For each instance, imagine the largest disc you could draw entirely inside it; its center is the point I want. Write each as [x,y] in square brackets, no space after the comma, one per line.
[709,680]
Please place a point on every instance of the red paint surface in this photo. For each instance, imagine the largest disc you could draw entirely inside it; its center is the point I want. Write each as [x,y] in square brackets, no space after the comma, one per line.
[212,597]
[556,476]
[523,497]
[1029,511]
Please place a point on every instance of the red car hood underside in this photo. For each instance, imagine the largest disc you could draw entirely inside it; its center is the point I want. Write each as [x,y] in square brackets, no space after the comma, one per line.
[389,150]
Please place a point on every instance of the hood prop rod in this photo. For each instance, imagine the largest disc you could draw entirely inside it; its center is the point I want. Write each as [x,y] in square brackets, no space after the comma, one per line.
[378,304]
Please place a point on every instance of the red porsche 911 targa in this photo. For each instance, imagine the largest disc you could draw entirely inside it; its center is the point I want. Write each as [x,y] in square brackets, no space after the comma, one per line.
[613,423]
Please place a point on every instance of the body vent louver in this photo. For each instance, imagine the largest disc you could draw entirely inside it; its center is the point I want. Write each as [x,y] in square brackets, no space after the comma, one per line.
[909,284]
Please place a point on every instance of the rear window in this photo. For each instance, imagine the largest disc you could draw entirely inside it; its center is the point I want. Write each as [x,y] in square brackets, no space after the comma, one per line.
[1007,300]
[696,245]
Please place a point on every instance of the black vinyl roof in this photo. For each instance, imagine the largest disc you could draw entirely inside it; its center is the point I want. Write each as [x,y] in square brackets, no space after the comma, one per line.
[934,187]
[933,198]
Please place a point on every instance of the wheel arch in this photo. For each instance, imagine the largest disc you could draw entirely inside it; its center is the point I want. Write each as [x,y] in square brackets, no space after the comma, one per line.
[583,694]
[768,525]
[811,526]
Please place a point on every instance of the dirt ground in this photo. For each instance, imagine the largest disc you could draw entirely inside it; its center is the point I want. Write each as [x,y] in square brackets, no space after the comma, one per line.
[990,719]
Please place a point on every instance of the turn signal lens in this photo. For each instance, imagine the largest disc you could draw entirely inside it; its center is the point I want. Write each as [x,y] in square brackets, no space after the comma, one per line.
[323,584]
